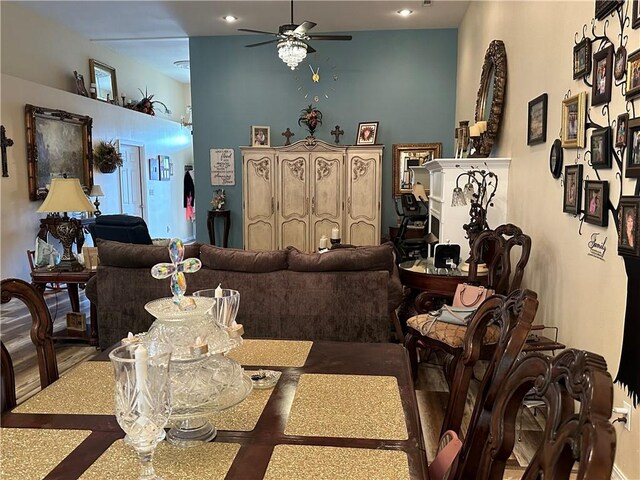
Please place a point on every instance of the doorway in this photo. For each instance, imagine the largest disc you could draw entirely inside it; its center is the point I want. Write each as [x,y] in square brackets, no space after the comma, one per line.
[131,199]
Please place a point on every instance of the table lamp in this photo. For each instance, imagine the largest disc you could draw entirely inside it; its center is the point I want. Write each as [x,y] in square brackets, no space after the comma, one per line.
[66,195]
[96,191]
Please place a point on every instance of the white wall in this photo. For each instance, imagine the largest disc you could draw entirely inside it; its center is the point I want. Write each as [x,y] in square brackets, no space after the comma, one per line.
[583,296]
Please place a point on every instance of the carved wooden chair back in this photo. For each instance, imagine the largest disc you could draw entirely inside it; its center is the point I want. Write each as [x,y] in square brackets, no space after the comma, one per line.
[513,316]
[41,325]
[584,436]
[8,379]
[494,247]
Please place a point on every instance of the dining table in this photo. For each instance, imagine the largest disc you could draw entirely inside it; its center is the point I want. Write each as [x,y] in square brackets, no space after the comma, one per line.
[339,410]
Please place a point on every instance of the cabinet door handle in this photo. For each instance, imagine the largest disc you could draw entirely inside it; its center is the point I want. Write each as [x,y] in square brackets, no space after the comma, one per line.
[272,205]
[313,205]
[306,207]
[349,206]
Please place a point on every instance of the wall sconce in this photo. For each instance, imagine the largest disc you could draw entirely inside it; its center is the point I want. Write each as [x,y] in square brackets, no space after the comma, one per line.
[188,120]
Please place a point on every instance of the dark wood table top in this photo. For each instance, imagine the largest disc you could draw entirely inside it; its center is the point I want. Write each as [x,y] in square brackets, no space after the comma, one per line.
[257,445]
[47,275]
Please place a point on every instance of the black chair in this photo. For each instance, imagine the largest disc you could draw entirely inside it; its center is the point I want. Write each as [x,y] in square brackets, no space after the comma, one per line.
[121,228]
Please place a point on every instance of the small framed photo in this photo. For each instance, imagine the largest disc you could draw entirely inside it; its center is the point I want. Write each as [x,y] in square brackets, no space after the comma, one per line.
[620,63]
[605,7]
[602,68]
[635,15]
[574,110]
[367,133]
[601,148]
[76,321]
[622,126]
[154,169]
[572,189]
[81,88]
[596,197]
[260,136]
[582,59]
[633,149]
[628,226]
[165,167]
[633,75]
[555,158]
[537,120]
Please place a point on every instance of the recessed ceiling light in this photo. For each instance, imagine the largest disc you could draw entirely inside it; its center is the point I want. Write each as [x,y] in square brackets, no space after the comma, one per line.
[182,64]
[405,12]
[230,18]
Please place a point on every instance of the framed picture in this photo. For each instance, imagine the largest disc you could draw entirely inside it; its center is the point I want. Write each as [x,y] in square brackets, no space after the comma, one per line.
[602,68]
[633,75]
[633,149]
[104,78]
[635,14]
[572,189]
[621,129]
[58,144]
[76,321]
[406,155]
[574,110]
[605,7]
[555,158]
[582,59]
[154,169]
[367,133]
[81,89]
[620,63]
[260,136]
[601,148]
[628,226]
[596,197]
[537,120]
[165,167]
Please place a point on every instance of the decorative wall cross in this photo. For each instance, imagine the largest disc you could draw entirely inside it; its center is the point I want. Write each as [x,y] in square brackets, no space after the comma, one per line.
[336,132]
[176,270]
[4,142]
[288,134]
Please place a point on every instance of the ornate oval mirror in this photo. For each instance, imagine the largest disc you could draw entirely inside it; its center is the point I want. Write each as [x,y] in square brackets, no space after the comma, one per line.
[489,104]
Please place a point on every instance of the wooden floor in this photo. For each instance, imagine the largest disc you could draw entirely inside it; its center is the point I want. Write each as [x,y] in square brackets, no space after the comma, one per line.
[431,387]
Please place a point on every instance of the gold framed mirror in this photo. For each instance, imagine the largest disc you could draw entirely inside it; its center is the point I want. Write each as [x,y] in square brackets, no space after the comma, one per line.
[490,101]
[103,78]
[407,155]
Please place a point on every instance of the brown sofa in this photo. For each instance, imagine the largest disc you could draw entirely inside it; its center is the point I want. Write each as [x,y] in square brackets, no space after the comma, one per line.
[344,294]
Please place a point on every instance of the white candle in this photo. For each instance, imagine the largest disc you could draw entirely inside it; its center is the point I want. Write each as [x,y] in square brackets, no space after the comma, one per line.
[130,338]
[141,356]
[324,242]
[335,233]
[474,131]
[482,125]
[218,293]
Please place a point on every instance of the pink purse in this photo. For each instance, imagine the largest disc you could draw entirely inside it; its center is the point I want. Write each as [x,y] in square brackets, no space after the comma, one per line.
[470,295]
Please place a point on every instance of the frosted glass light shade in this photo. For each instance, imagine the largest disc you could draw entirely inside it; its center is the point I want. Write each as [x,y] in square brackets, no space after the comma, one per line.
[96,191]
[66,195]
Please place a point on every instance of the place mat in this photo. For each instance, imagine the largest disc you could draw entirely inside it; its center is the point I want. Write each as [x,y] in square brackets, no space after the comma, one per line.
[351,406]
[210,460]
[85,390]
[244,416]
[272,353]
[306,462]
[31,453]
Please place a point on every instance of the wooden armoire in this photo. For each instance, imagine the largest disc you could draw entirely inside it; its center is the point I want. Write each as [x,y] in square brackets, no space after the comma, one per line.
[292,195]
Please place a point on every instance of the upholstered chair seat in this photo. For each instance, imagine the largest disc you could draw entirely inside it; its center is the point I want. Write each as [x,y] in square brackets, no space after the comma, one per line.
[452,335]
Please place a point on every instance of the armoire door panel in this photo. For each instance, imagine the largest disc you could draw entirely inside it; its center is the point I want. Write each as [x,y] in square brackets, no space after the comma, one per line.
[260,236]
[364,178]
[362,233]
[294,233]
[293,188]
[259,190]
[326,191]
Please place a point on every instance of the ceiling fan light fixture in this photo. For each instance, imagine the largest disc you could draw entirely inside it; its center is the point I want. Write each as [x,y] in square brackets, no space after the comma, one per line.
[292,51]
[229,18]
[405,12]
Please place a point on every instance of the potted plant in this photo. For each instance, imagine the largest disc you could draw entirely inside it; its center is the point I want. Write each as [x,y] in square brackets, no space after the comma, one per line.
[106,157]
[311,118]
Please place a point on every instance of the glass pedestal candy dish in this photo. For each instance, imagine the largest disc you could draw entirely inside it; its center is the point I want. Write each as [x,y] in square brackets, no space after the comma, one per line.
[202,379]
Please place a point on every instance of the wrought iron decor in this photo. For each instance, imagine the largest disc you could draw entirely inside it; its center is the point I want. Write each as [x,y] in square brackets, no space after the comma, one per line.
[4,143]
[58,144]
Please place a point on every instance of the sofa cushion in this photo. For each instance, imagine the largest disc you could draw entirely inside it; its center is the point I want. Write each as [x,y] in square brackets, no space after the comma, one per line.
[233,260]
[129,255]
[344,259]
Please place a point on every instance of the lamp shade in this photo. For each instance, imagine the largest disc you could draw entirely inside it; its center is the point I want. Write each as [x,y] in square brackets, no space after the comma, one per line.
[96,191]
[66,195]
[419,192]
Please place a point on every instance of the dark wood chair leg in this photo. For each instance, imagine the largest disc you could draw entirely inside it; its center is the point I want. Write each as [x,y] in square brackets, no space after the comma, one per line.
[411,344]
[397,327]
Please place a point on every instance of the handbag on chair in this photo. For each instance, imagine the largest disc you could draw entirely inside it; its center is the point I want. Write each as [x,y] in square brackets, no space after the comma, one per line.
[471,295]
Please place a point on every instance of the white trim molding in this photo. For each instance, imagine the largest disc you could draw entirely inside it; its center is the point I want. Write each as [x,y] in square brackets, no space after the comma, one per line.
[616,473]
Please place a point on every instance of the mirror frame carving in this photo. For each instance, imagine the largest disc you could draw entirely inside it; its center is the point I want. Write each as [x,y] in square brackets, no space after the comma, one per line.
[495,60]
[398,148]
[35,157]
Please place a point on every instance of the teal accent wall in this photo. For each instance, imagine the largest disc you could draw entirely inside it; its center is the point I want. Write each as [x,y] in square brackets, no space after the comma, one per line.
[404,79]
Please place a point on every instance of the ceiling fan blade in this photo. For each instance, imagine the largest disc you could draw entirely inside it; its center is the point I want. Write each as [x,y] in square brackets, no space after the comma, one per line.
[330,37]
[262,43]
[304,27]
[310,49]
[256,31]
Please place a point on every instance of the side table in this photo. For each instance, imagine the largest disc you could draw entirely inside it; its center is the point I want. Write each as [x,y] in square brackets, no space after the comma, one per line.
[226,216]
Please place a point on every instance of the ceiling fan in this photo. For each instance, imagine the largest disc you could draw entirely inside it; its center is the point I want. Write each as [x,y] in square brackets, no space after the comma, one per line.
[292,40]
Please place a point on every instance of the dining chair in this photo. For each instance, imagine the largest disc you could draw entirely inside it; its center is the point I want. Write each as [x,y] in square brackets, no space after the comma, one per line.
[578,391]
[8,380]
[493,248]
[41,325]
